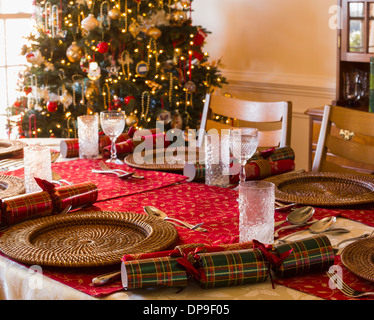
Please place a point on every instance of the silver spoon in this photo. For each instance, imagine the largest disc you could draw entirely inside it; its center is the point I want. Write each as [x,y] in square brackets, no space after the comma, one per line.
[321,226]
[298,216]
[153,211]
[336,249]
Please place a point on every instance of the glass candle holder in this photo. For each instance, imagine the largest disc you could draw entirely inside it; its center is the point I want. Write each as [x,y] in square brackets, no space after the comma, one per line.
[217,160]
[88,136]
[37,162]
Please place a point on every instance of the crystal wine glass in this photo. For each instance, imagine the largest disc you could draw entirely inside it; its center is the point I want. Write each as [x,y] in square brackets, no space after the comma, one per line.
[113,123]
[243,144]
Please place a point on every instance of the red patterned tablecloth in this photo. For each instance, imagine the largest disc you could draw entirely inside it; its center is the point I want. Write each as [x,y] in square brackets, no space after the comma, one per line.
[217,207]
[110,185]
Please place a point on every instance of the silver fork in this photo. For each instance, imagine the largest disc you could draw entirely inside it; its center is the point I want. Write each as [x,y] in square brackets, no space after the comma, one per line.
[104,167]
[346,289]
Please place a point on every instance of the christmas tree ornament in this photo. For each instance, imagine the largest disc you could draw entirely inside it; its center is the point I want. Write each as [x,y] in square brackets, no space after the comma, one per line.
[185,3]
[84,63]
[154,32]
[176,120]
[31,102]
[131,120]
[145,108]
[134,28]
[94,71]
[102,47]
[114,13]
[128,99]
[52,106]
[27,90]
[91,90]
[66,99]
[163,116]
[153,52]
[102,17]
[34,57]
[113,68]
[117,102]
[90,23]
[190,86]
[141,68]
[178,17]
[125,60]
[30,57]
[74,52]
[49,66]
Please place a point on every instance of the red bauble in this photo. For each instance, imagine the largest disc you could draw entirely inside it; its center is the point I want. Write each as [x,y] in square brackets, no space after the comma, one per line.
[102,47]
[27,90]
[17,104]
[30,57]
[52,106]
[128,99]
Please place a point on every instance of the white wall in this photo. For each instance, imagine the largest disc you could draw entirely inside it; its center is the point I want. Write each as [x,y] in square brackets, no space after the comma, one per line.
[274,50]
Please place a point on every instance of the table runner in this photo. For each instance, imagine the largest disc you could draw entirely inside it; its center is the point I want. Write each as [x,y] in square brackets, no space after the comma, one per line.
[217,208]
[109,185]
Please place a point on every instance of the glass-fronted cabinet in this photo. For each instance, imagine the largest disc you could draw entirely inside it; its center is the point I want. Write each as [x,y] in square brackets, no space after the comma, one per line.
[355,48]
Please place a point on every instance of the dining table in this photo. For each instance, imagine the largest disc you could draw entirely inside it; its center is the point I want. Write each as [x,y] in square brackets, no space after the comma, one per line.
[192,201]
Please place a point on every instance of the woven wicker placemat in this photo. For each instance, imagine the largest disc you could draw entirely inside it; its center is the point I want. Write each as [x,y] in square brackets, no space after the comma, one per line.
[169,162]
[324,189]
[10,146]
[86,239]
[11,186]
[358,257]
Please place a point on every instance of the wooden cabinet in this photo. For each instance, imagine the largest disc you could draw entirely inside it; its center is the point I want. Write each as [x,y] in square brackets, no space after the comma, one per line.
[315,118]
[355,48]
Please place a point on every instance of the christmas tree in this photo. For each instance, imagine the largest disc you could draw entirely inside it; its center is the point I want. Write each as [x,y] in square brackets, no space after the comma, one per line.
[143,57]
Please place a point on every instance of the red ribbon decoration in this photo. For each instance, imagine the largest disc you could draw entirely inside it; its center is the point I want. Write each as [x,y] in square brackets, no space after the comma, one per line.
[272,259]
[186,263]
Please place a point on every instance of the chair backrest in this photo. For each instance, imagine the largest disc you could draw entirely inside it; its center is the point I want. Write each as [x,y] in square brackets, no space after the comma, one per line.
[272,119]
[347,134]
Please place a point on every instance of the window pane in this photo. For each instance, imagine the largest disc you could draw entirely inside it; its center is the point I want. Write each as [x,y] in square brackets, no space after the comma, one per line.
[356,36]
[2,43]
[3,99]
[13,77]
[371,36]
[356,9]
[16,30]
[12,6]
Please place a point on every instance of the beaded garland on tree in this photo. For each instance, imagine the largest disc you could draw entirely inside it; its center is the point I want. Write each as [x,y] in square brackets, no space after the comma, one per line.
[96,55]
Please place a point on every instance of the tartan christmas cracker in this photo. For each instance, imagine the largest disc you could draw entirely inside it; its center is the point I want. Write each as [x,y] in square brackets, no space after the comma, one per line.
[77,195]
[25,207]
[263,164]
[128,146]
[226,265]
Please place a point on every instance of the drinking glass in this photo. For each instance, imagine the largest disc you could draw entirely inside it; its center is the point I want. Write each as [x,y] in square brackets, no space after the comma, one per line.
[88,136]
[256,211]
[243,144]
[113,123]
[37,160]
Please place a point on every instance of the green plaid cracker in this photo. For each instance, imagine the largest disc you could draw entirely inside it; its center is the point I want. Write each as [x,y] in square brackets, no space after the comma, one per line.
[313,254]
[163,271]
[232,268]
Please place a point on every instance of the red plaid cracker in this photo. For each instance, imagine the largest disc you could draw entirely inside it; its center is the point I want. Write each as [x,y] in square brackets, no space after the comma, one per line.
[25,207]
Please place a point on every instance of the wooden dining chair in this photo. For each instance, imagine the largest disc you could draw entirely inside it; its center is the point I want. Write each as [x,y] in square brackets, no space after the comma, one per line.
[272,119]
[345,142]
